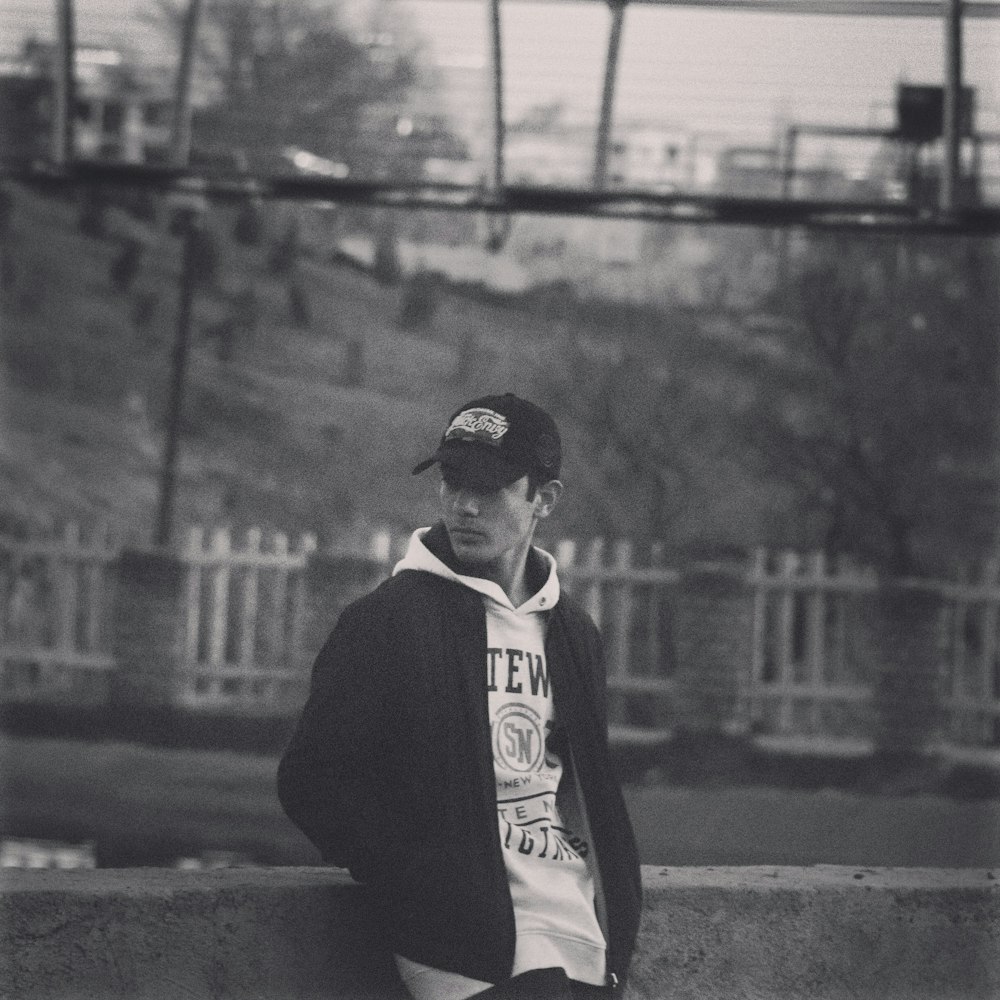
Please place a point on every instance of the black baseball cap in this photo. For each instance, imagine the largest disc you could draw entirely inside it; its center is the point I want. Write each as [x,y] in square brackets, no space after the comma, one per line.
[495,440]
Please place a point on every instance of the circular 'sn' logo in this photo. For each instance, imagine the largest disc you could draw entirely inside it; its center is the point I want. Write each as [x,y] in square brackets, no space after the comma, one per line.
[518,738]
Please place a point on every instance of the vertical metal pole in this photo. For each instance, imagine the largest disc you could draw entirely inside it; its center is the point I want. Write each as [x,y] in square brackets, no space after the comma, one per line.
[787,184]
[180,138]
[496,178]
[497,225]
[180,154]
[952,126]
[168,472]
[788,161]
[608,96]
[63,145]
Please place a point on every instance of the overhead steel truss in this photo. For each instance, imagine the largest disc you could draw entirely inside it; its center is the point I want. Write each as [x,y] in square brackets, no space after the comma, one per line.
[515,199]
[497,197]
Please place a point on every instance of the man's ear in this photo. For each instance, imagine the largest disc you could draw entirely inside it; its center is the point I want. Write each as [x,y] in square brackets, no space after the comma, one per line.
[547,496]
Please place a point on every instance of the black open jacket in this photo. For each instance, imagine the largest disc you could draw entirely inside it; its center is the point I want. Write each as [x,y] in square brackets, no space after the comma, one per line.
[390,770]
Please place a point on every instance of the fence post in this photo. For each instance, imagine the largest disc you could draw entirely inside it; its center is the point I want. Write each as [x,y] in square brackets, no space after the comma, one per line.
[277,609]
[756,707]
[816,619]
[786,652]
[67,588]
[246,627]
[218,612]
[714,638]
[620,604]
[660,656]
[299,605]
[149,626]
[906,635]
[94,590]
[988,727]
[194,546]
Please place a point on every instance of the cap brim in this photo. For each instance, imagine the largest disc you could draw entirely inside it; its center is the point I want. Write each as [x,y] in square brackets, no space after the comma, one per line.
[479,467]
[424,465]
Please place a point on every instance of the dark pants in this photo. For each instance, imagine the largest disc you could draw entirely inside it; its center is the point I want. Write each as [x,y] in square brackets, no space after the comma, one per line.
[544,984]
[586,991]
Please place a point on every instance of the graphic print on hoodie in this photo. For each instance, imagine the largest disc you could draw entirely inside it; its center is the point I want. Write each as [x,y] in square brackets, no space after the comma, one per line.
[549,873]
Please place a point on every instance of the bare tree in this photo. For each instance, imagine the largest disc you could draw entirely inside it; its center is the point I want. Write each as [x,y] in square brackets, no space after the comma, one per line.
[638,426]
[893,429]
[290,74]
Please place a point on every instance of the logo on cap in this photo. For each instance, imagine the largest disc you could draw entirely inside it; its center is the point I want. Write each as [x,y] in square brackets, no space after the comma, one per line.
[478,424]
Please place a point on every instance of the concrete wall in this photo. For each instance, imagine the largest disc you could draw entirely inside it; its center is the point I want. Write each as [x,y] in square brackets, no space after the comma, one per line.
[823,933]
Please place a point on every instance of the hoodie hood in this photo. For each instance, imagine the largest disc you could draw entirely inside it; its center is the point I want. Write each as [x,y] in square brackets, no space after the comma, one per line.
[430,552]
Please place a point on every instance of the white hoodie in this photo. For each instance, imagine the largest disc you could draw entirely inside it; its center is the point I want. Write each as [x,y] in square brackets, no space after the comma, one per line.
[551,883]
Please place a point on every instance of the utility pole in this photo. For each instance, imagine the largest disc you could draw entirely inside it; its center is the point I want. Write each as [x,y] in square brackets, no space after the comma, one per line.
[617,8]
[496,75]
[180,139]
[168,472]
[63,145]
[180,155]
[953,107]
[497,226]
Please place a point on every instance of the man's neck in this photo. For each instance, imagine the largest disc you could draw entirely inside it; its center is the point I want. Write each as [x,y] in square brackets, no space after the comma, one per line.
[510,575]
[518,576]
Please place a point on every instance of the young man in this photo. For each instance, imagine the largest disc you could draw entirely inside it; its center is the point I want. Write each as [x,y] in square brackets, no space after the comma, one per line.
[453,750]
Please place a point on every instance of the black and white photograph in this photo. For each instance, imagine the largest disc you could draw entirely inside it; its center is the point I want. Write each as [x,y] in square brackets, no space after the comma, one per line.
[500,499]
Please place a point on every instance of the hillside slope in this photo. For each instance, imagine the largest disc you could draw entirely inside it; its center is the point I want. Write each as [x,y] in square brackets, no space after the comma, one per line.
[307,399]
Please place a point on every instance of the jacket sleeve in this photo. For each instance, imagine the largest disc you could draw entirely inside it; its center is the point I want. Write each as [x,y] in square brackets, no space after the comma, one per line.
[328,777]
[599,674]
[586,648]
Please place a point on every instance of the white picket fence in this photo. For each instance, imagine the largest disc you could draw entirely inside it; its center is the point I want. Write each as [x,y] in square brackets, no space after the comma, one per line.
[971,655]
[810,672]
[54,599]
[244,613]
[629,602]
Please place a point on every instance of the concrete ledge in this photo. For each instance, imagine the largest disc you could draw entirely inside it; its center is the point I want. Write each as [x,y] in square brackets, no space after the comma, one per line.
[826,933]
[823,933]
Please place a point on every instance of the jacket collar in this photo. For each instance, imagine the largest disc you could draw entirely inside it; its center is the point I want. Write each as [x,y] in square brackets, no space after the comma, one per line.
[436,542]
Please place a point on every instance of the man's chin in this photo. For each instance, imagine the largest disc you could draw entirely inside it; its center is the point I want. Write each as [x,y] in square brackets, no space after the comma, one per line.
[470,550]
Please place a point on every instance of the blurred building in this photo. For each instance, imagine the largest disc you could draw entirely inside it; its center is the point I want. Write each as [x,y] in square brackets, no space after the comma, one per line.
[750,171]
[561,156]
[122,111]
[461,86]
[640,155]
[657,159]
[898,161]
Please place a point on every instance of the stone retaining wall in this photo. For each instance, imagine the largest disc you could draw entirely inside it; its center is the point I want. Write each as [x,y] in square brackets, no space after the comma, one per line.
[822,933]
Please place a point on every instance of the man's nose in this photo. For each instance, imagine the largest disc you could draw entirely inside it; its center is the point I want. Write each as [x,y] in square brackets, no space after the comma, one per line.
[466,502]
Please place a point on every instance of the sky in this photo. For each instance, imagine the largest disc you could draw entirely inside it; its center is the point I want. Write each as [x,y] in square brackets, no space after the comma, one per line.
[733,70]
[736,72]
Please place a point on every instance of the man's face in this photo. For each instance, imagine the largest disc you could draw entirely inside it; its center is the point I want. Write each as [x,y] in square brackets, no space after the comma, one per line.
[490,529]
